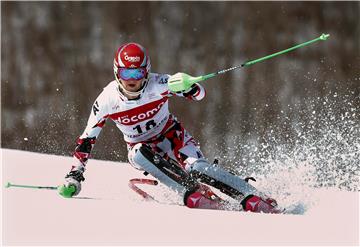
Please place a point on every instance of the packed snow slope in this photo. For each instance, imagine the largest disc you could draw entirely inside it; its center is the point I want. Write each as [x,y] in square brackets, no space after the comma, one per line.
[107,212]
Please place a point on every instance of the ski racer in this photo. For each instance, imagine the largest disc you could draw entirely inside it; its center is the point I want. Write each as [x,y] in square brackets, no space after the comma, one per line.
[137,101]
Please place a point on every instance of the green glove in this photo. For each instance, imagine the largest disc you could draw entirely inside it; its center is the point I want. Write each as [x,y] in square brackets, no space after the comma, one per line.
[67,191]
[181,82]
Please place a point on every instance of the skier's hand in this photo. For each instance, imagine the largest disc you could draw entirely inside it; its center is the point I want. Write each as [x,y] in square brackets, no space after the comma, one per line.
[180,83]
[72,185]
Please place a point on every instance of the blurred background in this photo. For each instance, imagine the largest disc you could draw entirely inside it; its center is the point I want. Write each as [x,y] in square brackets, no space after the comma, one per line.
[299,107]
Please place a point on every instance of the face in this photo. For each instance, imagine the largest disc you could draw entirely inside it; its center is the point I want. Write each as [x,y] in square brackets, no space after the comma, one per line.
[132,85]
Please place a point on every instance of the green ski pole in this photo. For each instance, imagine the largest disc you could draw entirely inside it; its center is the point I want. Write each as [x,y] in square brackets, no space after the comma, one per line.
[8,185]
[66,192]
[187,81]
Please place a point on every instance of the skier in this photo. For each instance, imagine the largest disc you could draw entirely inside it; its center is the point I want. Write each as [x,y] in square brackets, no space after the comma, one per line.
[137,101]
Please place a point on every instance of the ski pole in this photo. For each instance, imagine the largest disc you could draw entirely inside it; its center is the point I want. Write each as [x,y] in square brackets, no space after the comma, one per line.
[189,80]
[8,185]
[134,181]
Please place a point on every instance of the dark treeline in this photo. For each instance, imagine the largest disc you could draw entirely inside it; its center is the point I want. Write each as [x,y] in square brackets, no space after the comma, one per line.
[57,56]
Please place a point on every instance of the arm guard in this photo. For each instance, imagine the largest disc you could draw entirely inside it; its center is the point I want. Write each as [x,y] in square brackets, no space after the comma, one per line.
[83,149]
[197,93]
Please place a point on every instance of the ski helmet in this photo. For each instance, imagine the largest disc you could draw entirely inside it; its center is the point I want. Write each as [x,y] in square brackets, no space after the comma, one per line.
[131,62]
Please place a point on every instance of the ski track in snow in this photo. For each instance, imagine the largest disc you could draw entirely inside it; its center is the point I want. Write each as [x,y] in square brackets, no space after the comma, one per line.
[107,212]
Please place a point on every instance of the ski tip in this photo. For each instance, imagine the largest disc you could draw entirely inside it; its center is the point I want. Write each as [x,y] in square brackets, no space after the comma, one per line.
[7,185]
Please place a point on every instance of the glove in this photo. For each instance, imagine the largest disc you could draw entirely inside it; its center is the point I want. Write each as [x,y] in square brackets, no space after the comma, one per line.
[72,185]
[181,82]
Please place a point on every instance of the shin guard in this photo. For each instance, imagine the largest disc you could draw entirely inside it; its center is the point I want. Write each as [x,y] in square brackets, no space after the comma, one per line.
[170,174]
[216,176]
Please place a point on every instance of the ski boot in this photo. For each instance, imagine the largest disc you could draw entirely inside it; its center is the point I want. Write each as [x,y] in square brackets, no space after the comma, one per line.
[257,204]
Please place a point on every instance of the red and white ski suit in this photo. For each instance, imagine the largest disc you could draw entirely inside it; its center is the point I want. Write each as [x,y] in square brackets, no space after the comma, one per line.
[147,120]
[143,120]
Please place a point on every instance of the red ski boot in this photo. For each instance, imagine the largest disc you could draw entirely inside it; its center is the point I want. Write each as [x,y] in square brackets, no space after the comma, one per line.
[256,204]
[204,198]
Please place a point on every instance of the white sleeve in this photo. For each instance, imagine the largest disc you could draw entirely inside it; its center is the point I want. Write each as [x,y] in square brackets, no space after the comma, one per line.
[97,118]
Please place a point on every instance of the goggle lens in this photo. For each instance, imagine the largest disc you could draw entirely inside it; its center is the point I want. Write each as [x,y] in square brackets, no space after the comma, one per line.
[132,74]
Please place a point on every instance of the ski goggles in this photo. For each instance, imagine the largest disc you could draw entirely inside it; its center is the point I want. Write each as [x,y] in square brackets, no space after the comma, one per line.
[131,74]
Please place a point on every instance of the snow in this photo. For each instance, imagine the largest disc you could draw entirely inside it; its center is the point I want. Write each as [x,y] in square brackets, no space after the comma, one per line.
[107,212]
